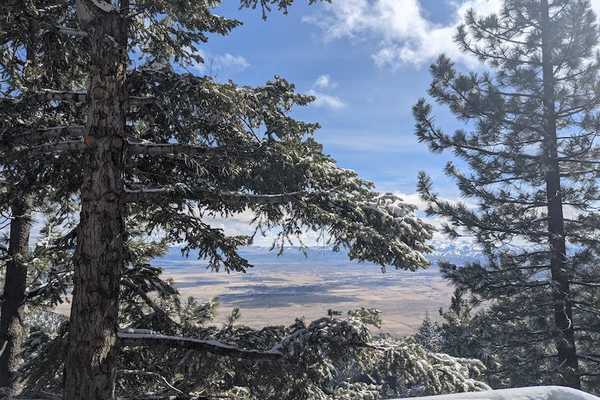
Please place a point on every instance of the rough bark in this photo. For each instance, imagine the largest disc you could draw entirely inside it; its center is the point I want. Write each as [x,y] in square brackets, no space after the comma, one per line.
[14,297]
[563,315]
[90,362]
[12,329]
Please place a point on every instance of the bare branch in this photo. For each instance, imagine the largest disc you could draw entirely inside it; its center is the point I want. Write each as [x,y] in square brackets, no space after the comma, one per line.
[68,145]
[78,96]
[149,302]
[103,5]
[52,282]
[210,346]
[32,135]
[140,100]
[71,31]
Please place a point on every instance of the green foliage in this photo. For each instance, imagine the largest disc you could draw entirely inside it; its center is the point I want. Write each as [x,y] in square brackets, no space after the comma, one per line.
[193,149]
[247,153]
[429,335]
[266,5]
[332,358]
[538,74]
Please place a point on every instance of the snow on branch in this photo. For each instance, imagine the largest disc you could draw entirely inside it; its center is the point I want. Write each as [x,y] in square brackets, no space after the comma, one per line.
[153,374]
[71,31]
[60,277]
[76,96]
[75,146]
[149,338]
[72,96]
[154,194]
[66,146]
[103,5]
[33,135]
[153,149]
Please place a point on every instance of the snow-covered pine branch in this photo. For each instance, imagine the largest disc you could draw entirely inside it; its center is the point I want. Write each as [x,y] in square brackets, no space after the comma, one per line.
[13,137]
[161,194]
[211,346]
[154,149]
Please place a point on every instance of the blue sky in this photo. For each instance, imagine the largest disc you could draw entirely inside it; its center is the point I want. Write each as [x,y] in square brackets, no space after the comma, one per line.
[367,63]
[364,106]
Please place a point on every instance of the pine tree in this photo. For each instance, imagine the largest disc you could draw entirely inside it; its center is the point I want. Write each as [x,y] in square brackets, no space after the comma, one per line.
[332,358]
[457,327]
[33,54]
[429,335]
[164,151]
[530,148]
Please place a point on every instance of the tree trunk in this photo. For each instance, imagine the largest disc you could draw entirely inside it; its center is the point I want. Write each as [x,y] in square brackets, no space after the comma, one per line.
[563,314]
[12,329]
[13,305]
[90,363]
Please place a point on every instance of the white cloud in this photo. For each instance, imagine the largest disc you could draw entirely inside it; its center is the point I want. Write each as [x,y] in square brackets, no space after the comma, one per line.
[326,100]
[230,61]
[401,28]
[596,6]
[220,63]
[325,82]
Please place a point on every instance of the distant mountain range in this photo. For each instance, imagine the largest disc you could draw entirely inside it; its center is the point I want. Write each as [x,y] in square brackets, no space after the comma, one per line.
[459,253]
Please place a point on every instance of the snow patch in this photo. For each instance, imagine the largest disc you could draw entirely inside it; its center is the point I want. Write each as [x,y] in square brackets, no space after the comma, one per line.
[531,393]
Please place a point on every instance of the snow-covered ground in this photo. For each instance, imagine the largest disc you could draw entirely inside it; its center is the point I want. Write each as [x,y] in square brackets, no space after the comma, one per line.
[532,393]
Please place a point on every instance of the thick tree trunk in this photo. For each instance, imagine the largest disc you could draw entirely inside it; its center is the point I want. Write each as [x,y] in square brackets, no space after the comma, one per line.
[90,363]
[13,305]
[563,314]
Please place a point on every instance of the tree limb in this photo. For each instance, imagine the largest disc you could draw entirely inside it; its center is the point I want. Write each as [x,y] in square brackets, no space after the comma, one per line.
[29,136]
[210,346]
[154,194]
[68,145]
[71,31]
[77,96]
[153,149]
[154,374]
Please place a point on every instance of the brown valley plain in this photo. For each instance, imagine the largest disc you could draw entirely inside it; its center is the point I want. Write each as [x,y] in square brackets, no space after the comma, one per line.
[281,288]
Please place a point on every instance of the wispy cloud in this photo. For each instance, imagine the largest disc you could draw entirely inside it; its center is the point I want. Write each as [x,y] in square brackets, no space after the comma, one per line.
[217,64]
[402,30]
[326,100]
[230,61]
[325,82]
[403,33]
